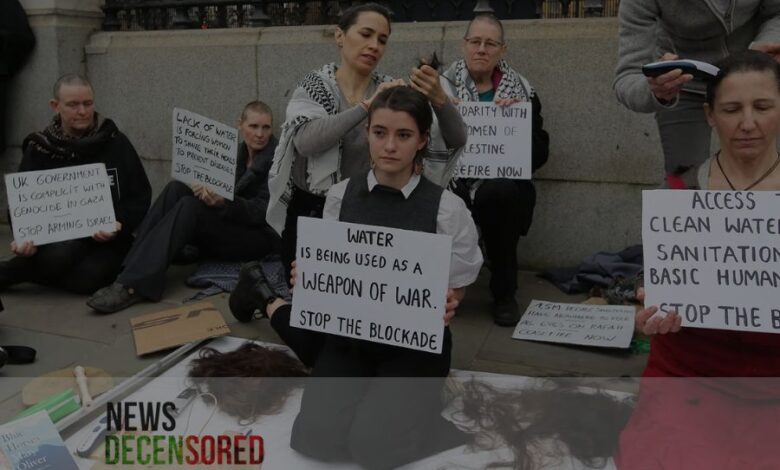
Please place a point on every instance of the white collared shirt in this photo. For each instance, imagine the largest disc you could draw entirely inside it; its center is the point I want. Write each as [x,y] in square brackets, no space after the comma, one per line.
[453,219]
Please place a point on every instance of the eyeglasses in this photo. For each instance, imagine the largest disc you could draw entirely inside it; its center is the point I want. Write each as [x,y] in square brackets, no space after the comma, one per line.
[476,43]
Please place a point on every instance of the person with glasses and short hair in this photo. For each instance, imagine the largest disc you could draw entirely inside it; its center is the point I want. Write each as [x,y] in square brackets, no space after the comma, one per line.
[503,208]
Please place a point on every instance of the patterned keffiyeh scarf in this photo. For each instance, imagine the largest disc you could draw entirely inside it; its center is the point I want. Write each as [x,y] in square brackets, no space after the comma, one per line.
[53,141]
[511,84]
[319,100]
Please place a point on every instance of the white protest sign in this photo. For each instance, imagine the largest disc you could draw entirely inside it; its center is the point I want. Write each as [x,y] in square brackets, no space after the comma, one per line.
[63,204]
[205,152]
[374,283]
[714,256]
[610,326]
[499,141]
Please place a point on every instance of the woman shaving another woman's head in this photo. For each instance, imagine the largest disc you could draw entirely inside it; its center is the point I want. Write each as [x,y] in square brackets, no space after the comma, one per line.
[323,140]
[727,412]
[743,106]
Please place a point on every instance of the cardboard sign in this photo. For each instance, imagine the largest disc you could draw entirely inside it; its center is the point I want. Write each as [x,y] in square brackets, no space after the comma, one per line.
[610,326]
[205,152]
[169,328]
[373,283]
[64,204]
[714,257]
[499,141]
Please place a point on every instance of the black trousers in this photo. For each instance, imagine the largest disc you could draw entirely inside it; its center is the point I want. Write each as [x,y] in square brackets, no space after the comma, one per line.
[304,204]
[503,209]
[81,266]
[377,405]
[178,218]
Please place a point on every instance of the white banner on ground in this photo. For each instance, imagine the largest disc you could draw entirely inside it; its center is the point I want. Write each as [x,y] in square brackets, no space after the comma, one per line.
[610,326]
[499,141]
[373,283]
[204,152]
[63,204]
[714,256]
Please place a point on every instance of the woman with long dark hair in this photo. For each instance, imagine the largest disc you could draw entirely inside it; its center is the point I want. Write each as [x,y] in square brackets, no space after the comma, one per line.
[390,412]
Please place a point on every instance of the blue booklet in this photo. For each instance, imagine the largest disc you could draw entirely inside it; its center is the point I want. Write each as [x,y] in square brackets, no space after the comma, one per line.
[33,443]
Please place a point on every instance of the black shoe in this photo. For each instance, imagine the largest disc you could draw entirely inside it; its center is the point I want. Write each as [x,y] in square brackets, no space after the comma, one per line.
[114,298]
[252,293]
[506,312]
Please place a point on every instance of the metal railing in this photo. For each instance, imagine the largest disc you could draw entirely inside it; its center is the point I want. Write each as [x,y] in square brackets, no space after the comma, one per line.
[131,15]
[576,8]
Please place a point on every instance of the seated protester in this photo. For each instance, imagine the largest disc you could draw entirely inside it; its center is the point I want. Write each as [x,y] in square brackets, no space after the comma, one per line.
[383,424]
[220,229]
[77,135]
[323,140]
[710,422]
[502,208]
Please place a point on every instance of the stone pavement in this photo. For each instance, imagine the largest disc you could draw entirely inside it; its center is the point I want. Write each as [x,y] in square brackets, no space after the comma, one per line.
[66,333]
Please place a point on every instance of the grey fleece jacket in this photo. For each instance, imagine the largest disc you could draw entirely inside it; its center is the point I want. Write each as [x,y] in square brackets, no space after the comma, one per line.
[705,30]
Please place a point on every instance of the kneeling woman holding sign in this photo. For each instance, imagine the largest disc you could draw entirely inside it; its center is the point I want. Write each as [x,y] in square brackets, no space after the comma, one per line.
[384,423]
[717,423]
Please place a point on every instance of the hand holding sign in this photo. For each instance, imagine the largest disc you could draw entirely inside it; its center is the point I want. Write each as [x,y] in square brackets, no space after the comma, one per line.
[504,102]
[454,296]
[208,197]
[648,323]
[103,236]
[24,250]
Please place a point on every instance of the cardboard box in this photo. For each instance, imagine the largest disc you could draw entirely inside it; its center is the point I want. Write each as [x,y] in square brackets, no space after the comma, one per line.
[170,328]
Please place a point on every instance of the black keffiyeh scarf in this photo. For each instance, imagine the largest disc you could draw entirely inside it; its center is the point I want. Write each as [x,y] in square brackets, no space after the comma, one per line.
[53,140]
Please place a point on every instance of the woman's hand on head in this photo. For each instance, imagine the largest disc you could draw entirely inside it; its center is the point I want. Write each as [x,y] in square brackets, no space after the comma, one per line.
[771,48]
[382,87]
[425,79]
[648,323]
[25,250]
[666,87]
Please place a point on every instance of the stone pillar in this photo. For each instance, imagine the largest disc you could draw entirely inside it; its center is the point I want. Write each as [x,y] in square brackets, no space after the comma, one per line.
[62,29]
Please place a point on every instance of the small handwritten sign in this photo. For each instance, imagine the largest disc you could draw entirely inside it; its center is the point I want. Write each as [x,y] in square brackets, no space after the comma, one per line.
[499,141]
[714,257]
[610,326]
[50,206]
[373,283]
[205,152]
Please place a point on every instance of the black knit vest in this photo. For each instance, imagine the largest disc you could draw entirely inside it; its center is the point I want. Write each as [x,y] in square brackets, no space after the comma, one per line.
[387,207]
